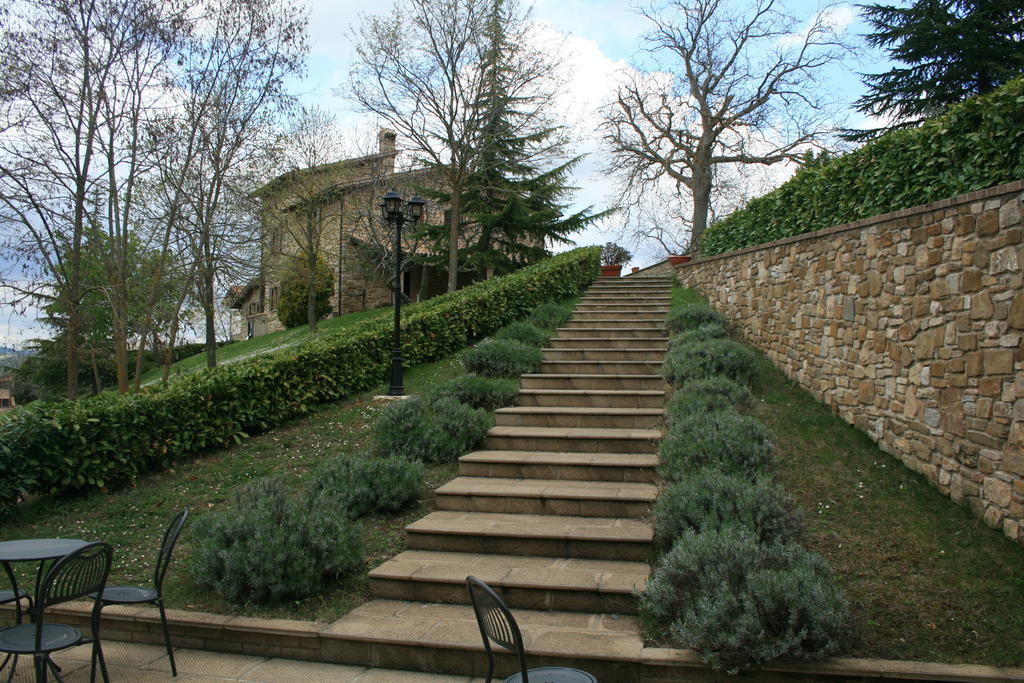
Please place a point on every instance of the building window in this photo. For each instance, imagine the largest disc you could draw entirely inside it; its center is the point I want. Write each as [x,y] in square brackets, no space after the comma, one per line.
[5,403]
[273,298]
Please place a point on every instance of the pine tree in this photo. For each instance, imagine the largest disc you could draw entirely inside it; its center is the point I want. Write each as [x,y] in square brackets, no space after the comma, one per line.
[514,209]
[952,49]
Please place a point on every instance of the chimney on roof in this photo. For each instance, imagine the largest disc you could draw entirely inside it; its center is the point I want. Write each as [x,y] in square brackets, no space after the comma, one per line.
[386,146]
[386,141]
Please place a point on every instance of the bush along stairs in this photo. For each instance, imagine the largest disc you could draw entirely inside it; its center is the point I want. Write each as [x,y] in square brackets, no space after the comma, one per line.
[554,513]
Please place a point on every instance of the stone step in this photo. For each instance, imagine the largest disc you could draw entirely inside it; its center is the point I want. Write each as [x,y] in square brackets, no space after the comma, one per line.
[633,467]
[660,343]
[622,305]
[431,637]
[599,353]
[647,326]
[621,382]
[592,332]
[605,315]
[620,297]
[600,367]
[547,497]
[596,538]
[634,398]
[573,416]
[600,283]
[540,583]
[572,440]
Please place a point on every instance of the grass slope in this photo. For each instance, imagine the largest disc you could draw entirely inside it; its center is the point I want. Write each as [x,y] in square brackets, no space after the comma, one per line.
[133,519]
[265,343]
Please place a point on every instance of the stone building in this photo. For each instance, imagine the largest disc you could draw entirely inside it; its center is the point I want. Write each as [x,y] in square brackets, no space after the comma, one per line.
[336,208]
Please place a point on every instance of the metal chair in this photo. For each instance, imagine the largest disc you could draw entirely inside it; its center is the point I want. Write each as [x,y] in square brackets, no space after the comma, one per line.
[497,624]
[75,575]
[15,595]
[137,595]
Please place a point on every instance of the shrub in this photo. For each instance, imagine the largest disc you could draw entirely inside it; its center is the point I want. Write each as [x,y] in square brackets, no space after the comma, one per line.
[550,316]
[523,332]
[432,431]
[707,396]
[292,309]
[614,255]
[726,440]
[479,392]
[502,358]
[703,360]
[109,440]
[698,334]
[975,144]
[743,603]
[711,500]
[692,316]
[269,547]
[365,486]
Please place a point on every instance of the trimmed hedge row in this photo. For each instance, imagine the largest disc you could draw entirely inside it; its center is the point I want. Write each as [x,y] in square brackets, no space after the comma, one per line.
[975,144]
[110,439]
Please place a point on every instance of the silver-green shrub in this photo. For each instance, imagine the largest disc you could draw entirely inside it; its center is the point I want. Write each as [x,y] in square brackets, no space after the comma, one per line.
[269,546]
[429,430]
[698,334]
[691,316]
[502,358]
[366,486]
[707,359]
[739,602]
[480,392]
[711,500]
[706,396]
[526,333]
[550,316]
[724,439]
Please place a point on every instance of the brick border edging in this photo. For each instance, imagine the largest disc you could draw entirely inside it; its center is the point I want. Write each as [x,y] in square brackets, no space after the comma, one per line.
[966,198]
[305,640]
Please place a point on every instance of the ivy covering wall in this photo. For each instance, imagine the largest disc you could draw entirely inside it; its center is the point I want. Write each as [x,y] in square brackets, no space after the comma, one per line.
[976,144]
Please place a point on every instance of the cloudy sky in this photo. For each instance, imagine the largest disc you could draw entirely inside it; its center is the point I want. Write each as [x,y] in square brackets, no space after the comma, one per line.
[598,39]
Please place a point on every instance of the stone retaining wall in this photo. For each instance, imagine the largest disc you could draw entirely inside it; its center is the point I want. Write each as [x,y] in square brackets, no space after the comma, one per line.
[909,325]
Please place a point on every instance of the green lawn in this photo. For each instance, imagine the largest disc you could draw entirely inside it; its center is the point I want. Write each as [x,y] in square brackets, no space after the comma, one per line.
[265,343]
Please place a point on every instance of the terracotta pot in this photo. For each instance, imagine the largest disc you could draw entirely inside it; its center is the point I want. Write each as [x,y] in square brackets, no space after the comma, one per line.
[635,269]
[676,260]
[611,271]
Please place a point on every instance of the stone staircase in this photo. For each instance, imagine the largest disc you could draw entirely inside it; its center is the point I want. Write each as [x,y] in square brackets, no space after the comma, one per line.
[553,512]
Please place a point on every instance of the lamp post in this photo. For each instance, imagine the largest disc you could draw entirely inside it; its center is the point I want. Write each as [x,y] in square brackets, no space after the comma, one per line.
[391,208]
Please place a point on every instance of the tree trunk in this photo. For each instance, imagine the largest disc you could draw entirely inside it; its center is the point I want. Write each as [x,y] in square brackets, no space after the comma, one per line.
[97,384]
[211,331]
[701,204]
[455,221]
[313,221]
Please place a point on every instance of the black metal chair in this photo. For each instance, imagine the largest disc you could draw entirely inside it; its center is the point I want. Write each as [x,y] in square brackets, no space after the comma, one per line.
[497,624]
[76,575]
[15,595]
[137,595]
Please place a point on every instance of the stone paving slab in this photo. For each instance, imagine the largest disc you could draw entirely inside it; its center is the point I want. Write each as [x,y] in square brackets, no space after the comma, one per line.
[141,663]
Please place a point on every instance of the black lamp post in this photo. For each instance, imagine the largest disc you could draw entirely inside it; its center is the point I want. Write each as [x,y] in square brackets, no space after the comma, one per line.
[391,208]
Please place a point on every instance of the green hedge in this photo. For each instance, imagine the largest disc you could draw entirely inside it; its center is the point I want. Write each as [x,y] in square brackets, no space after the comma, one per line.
[976,144]
[110,439]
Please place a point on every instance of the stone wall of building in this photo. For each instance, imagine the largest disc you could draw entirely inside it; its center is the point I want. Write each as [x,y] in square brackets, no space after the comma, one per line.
[909,325]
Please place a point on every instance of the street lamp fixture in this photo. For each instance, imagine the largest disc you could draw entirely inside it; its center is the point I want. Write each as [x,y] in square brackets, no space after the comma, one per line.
[391,210]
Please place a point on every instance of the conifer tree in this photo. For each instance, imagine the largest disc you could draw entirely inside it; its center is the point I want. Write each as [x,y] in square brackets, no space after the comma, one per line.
[950,49]
[514,207]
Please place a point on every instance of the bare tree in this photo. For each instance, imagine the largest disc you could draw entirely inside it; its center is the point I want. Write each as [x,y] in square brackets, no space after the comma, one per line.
[423,69]
[312,144]
[70,66]
[733,84]
[232,95]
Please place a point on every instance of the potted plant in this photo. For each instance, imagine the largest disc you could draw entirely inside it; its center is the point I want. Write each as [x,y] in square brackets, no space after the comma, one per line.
[612,258]
[675,260]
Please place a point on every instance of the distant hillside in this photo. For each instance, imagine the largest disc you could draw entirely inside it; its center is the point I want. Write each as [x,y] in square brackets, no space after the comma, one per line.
[12,358]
